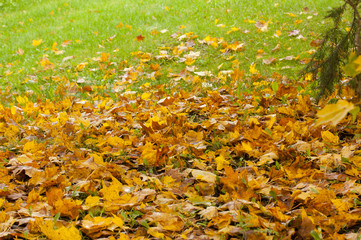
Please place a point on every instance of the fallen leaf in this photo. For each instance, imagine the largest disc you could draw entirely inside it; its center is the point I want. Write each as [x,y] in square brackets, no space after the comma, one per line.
[37,42]
[294,33]
[269,60]
[262,26]
[334,113]
[140,38]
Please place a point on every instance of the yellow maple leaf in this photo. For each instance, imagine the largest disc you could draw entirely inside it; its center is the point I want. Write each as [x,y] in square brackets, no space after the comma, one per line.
[353,67]
[32,147]
[166,221]
[328,137]
[115,141]
[249,21]
[91,201]
[253,70]
[111,193]
[334,112]
[233,29]
[149,154]
[145,96]
[54,47]
[246,146]
[153,231]
[98,159]
[291,14]
[62,233]
[46,64]
[67,207]
[96,223]
[29,146]
[189,61]
[341,205]
[13,110]
[204,176]
[122,236]
[104,57]
[37,42]
[22,100]
[221,162]
[356,160]
[120,25]
[118,221]
[2,201]
[81,66]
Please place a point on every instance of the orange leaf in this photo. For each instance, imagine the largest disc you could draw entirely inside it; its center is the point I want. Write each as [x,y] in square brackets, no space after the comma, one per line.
[140,38]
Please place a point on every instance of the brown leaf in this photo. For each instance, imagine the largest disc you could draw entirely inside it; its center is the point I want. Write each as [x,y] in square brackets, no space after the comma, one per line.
[276,48]
[316,43]
[306,226]
[20,52]
[140,38]
[269,60]
[262,26]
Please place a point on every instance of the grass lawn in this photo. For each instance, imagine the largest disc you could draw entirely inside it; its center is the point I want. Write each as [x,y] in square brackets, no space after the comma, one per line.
[68,33]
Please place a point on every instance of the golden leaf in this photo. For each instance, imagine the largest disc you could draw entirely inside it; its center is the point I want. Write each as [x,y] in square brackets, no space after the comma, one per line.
[246,146]
[111,193]
[341,205]
[154,232]
[98,159]
[118,221]
[189,61]
[145,96]
[104,57]
[253,70]
[67,207]
[233,29]
[221,162]
[2,201]
[37,42]
[95,224]
[91,201]
[62,233]
[356,160]
[149,154]
[13,110]
[167,221]
[334,112]
[115,141]
[120,25]
[54,47]
[204,176]
[209,213]
[328,137]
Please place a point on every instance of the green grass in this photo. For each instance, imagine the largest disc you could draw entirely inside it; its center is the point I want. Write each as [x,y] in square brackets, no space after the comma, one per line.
[91,24]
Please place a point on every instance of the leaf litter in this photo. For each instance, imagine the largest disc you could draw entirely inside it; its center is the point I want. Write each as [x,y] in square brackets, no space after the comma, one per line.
[238,155]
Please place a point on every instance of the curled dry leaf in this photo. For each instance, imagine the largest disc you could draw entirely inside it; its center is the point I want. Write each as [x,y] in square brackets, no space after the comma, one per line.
[269,60]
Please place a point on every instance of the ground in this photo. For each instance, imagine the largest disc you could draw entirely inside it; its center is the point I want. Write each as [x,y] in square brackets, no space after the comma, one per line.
[152,120]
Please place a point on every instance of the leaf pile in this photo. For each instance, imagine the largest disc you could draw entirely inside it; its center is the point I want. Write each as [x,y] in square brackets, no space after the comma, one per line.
[238,155]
